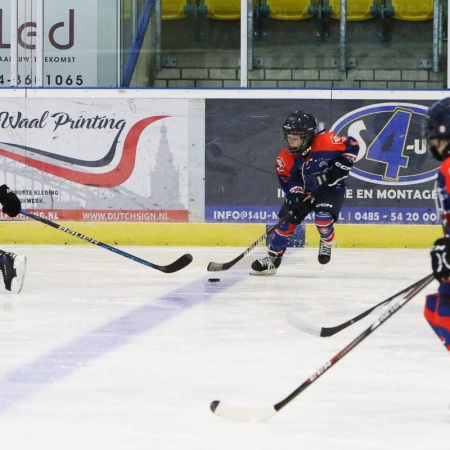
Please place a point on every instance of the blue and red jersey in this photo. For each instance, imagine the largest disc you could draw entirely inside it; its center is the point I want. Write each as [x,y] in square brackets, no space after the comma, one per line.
[297,174]
[437,313]
[443,194]
[437,306]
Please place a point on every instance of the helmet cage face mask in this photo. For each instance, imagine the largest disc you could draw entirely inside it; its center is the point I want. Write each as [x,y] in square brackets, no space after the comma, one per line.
[303,148]
[440,155]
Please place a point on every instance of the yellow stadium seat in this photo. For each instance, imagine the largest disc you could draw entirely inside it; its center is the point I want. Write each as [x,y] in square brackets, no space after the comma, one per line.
[356,9]
[223,9]
[172,9]
[288,9]
[413,10]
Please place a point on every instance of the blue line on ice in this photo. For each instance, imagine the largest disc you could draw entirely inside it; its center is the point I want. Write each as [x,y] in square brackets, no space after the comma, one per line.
[25,381]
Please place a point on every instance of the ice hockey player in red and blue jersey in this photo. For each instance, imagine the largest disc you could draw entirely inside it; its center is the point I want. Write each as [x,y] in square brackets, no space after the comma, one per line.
[311,170]
[436,131]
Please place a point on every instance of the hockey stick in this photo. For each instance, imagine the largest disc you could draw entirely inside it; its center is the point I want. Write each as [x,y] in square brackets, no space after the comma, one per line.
[330,331]
[243,414]
[179,264]
[217,267]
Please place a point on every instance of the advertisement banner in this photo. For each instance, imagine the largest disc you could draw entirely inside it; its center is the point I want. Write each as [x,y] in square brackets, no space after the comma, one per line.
[76,35]
[97,159]
[392,181]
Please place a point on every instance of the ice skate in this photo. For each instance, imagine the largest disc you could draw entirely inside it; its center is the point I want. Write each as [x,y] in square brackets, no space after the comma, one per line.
[325,251]
[267,265]
[13,269]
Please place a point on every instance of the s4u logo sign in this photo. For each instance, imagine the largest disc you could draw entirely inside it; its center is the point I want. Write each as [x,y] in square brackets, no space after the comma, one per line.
[392,150]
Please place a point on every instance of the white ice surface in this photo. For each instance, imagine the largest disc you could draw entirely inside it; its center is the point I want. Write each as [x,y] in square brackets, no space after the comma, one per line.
[99,352]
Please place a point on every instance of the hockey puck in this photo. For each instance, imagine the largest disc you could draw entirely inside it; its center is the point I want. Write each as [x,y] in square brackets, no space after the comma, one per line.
[214,280]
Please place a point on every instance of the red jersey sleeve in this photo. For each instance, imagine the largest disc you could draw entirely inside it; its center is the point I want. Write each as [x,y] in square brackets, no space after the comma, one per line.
[289,174]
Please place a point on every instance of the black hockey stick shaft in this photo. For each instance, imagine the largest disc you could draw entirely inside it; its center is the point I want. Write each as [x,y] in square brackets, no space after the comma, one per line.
[179,264]
[367,332]
[330,331]
[244,414]
[216,267]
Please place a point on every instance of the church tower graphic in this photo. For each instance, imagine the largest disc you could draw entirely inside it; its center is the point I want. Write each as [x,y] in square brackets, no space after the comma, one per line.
[165,177]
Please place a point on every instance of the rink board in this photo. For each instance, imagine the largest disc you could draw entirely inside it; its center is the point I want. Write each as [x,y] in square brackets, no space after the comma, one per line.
[207,234]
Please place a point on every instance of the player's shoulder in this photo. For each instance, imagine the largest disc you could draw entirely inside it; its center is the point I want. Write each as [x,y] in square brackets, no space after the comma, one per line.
[284,151]
[285,160]
[285,155]
[331,140]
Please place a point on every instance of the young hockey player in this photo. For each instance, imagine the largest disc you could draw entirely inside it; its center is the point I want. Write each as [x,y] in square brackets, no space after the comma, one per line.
[12,266]
[310,170]
[436,131]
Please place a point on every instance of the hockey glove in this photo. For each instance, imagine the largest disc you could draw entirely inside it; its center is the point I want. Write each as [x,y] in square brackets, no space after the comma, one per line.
[440,259]
[339,170]
[10,202]
[300,205]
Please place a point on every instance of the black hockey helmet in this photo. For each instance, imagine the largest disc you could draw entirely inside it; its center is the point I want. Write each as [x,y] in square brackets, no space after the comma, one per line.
[437,126]
[303,124]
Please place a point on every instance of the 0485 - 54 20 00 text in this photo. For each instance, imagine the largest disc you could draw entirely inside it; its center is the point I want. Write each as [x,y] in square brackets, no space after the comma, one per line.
[422,216]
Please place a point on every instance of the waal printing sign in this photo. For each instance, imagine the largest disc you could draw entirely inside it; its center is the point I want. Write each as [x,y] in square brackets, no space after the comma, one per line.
[97,159]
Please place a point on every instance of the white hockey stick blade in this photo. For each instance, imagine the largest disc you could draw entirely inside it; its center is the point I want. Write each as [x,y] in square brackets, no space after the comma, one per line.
[242,414]
[303,326]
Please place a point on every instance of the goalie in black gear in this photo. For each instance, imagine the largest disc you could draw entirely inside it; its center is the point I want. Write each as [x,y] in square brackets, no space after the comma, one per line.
[12,266]
[311,170]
